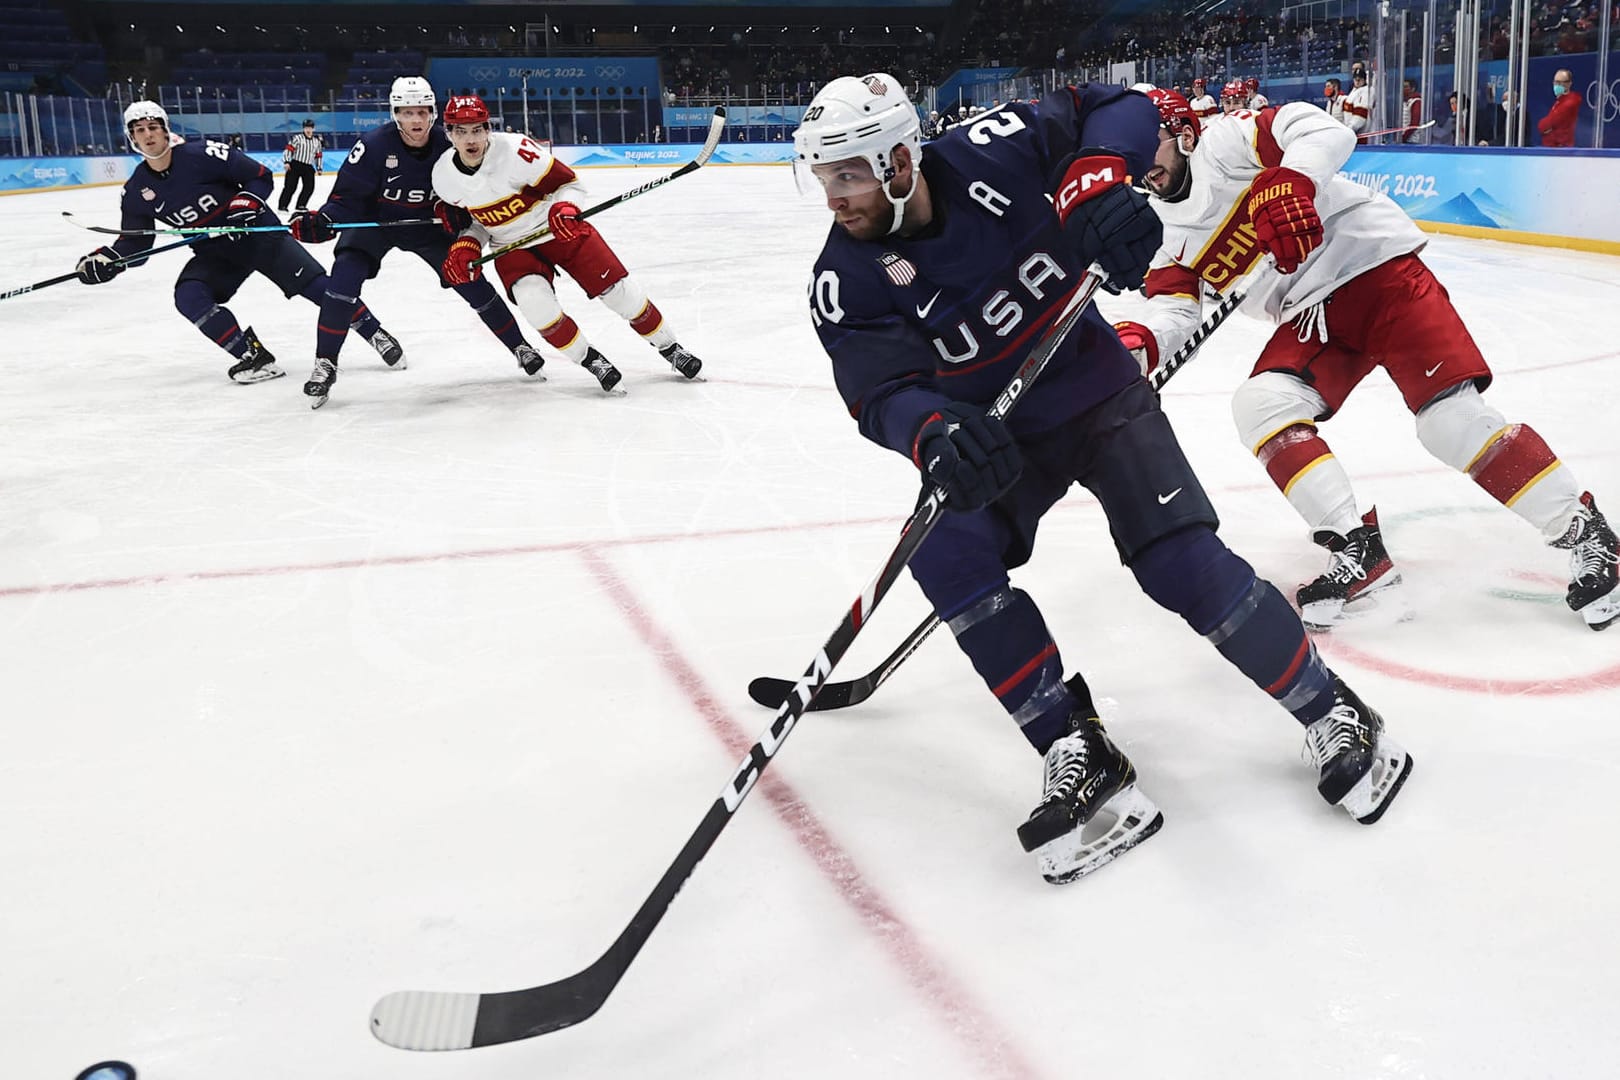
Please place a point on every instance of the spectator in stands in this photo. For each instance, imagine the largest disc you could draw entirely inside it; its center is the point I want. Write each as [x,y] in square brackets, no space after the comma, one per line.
[1558,126]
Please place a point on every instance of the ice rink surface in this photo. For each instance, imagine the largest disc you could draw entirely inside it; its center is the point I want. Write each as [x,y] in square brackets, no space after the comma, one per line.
[424,690]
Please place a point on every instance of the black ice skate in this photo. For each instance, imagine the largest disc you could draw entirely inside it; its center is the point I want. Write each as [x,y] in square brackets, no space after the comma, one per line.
[529,359]
[1091,811]
[389,348]
[1359,567]
[320,381]
[681,360]
[1594,565]
[256,365]
[603,369]
[1360,768]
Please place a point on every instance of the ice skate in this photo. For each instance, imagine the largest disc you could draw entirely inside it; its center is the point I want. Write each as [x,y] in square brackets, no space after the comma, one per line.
[1360,768]
[255,365]
[320,381]
[1359,568]
[603,369]
[1594,565]
[389,348]
[681,360]
[530,360]
[1091,811]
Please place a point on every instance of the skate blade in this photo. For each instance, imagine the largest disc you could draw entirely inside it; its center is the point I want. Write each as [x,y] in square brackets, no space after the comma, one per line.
[1373,793]
[1123,822]
[317,402]
[1377,607]
[397,365]
[264,374]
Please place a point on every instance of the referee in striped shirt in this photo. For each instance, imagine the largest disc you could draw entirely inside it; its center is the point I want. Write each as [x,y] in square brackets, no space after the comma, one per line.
[303,158]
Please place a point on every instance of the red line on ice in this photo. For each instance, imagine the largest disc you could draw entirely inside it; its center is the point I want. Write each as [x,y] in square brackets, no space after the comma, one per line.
[940,991]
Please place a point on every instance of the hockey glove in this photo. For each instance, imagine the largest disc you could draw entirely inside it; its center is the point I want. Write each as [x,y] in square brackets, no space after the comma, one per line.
[1284,216]
[969,454]
[245,211]
[311,227]
[459,266]
[99,267]
[563,217]
[1106,220]
[1140,343]
[452,218]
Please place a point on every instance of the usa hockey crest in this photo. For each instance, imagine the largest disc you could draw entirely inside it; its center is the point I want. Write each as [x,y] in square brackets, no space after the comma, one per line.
[898,267]
[876,85]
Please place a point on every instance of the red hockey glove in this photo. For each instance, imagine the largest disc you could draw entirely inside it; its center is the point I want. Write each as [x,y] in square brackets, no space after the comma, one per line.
[1284,216]
[99,267]
[311,227]
[969,453]
[452,218]
[563,217]
[245,211]
[1109,222]
[1140,343]
[459,268]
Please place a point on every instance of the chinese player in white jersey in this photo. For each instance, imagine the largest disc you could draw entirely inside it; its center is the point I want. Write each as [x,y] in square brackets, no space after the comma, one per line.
[1203,106]
[511,187]
[1358,297]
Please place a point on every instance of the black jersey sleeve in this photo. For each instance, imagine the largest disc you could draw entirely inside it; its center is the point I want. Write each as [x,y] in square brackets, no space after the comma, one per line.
[134,215]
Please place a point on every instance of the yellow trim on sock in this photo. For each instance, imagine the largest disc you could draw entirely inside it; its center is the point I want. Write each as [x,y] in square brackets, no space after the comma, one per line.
[1301,474]
[1490,442]
[1532,482]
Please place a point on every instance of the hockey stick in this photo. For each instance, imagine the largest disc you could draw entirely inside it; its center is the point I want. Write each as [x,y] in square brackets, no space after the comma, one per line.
[1394,131]
[770,691]
[424,1020]
[225,230]
[716,124]
[58,279]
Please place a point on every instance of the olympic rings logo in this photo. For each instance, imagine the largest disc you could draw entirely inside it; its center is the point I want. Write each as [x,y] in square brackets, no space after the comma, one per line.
[484,72]
[1604,100]
[616,72]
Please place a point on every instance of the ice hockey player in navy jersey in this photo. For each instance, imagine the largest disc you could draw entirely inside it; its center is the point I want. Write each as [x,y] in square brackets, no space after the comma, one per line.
[388,176]
[187,184]
[938,275]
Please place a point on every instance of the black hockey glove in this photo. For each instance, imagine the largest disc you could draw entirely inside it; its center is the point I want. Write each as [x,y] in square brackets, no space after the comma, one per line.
[452,218]
[1109,222]
[311,227]
[99,267]
[245,211]
[969,454]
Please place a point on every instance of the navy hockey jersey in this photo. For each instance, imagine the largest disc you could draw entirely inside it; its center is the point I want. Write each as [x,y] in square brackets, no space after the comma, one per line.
[951,313]
[201,180]
[382,179]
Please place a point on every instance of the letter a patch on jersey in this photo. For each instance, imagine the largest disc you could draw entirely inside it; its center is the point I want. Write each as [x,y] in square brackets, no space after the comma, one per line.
[898,267]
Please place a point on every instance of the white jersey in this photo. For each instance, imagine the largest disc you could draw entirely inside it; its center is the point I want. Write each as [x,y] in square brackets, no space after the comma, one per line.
[1208,237]
[1335,107]
[512,191]
[1358,109]
[1204,106]
[1258,102]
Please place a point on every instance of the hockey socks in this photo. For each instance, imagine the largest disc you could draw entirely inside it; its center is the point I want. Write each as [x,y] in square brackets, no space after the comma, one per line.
[1247,620]
[195,301]
[1006,639]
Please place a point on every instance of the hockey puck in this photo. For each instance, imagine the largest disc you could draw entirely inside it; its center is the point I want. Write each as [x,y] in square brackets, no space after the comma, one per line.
[108,1070]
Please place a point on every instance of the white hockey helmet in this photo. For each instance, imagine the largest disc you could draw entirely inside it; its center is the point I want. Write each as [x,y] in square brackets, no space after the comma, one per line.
[145,110]
[411,90]
[866,118]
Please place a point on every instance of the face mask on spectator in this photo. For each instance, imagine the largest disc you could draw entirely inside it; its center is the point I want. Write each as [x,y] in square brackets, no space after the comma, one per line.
[1559,89]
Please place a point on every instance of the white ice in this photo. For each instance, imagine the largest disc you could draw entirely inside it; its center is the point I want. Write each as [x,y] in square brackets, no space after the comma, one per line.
[425,690]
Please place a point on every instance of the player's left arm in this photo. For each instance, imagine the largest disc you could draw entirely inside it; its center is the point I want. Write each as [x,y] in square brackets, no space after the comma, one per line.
[247,174]
[1298,148]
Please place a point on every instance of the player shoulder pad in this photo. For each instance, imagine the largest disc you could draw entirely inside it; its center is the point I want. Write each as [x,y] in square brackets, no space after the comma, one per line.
[850,277]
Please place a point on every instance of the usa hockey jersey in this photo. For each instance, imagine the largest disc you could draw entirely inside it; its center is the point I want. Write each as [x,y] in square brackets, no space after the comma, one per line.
[382,179]
[201,180]
[511,191]
[1208,236]
[949,314]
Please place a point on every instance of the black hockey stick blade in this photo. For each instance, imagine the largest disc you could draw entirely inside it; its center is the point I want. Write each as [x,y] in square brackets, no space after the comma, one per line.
[429,1020]
[771,692]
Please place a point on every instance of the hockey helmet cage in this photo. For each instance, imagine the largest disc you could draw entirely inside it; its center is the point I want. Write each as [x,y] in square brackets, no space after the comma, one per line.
[465,109]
